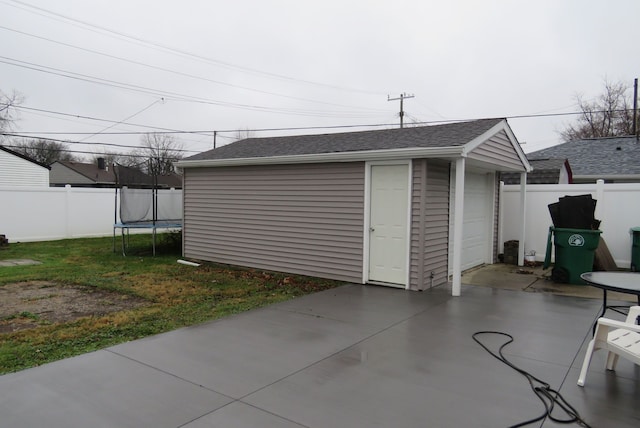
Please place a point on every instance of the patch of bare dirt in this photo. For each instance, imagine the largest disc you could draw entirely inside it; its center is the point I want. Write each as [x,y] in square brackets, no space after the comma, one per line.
[32,304]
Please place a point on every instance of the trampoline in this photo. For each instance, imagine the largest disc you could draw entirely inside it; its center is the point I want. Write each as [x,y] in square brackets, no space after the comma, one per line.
[143,206]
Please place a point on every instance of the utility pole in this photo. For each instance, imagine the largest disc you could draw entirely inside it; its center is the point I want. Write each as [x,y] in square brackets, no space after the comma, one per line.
[215,133]
[402,97]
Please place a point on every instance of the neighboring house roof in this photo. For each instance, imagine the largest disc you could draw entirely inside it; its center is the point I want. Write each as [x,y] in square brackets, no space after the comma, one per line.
[81,174]
[131,177]
[27,158]
[545,171]
[170,180]
[447,140]
[101,175]
[611,159]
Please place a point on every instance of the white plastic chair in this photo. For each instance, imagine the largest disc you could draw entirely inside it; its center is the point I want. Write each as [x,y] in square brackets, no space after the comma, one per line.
[619,338]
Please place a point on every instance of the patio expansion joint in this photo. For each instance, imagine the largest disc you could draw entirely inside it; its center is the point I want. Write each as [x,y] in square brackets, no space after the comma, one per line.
[587,337]
[168,373]
[246,404]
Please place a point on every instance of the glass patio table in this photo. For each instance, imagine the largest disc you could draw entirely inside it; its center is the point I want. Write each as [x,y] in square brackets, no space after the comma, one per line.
[621,282]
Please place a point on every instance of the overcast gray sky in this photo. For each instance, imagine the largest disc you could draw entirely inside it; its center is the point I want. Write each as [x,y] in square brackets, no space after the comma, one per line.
[226,65]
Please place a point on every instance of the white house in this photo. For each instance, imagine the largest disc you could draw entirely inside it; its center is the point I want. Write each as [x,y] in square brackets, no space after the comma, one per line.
[18,170]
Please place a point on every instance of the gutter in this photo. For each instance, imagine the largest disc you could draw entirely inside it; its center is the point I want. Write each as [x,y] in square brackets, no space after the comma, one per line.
[370,155]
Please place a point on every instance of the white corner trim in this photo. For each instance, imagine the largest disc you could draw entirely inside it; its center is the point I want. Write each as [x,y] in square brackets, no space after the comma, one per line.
[409,212]
[366,223]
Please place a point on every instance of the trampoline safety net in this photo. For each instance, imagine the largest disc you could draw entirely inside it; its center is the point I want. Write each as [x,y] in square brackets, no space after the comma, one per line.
[137,206]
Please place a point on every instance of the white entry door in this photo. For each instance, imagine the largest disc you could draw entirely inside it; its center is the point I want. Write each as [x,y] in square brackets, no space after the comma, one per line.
[389,198]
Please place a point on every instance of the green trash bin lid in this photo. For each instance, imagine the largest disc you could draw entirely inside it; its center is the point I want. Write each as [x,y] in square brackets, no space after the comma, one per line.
[585,231]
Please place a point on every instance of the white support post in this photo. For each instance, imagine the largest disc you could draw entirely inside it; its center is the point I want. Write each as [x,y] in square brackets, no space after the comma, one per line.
[523,217]
[458,219]
[600,206]
[501,217]
[67,212]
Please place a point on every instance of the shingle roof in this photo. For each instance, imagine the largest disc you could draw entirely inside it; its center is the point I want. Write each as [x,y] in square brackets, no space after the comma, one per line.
[91,171]
[606,157]
[131,177]
[120,175]
[545,171]
[447,135]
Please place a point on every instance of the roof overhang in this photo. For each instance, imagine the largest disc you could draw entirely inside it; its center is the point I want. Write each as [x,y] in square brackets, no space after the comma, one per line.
[370,155]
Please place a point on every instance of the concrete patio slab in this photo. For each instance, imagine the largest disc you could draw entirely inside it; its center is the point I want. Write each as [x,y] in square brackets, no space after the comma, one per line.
[246,352]
[357,356]
[240,415]
[533,279]
[101,389]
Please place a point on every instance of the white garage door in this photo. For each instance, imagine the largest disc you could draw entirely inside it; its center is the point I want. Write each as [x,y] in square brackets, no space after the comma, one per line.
[477,230]
[477,235]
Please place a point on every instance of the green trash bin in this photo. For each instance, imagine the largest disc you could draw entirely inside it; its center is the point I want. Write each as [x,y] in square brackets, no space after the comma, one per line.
[635,249]
[575,251]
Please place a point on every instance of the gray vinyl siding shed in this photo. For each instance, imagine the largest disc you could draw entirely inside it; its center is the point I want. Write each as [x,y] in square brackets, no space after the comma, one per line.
[299,204]
[304,219]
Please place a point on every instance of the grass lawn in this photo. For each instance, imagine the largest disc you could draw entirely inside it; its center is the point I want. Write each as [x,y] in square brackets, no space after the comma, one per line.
[172,295]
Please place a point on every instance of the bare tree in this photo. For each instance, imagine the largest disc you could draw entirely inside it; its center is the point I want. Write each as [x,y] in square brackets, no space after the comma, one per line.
[157,154]
[44,151]
[8,112]
[242,134]
[609,115]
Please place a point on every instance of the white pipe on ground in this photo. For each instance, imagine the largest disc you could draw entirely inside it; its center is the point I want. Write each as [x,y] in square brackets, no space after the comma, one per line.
[188,263]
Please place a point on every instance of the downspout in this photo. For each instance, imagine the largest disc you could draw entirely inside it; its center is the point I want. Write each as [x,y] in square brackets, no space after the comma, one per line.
[458,218]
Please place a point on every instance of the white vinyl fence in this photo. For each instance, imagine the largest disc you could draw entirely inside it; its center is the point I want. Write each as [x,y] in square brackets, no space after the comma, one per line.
[42,214]
[50,213]
[618,207]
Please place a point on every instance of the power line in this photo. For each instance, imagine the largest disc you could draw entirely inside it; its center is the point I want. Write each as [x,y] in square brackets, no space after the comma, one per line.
[165,130]
[210,133]
[89,143]
[173,95]
[299,128]
[180,73]
[200,140]
[123,120]
[83,152]
[180,52]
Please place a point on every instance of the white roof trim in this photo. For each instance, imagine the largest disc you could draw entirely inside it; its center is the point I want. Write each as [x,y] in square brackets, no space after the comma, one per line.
[386,154]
